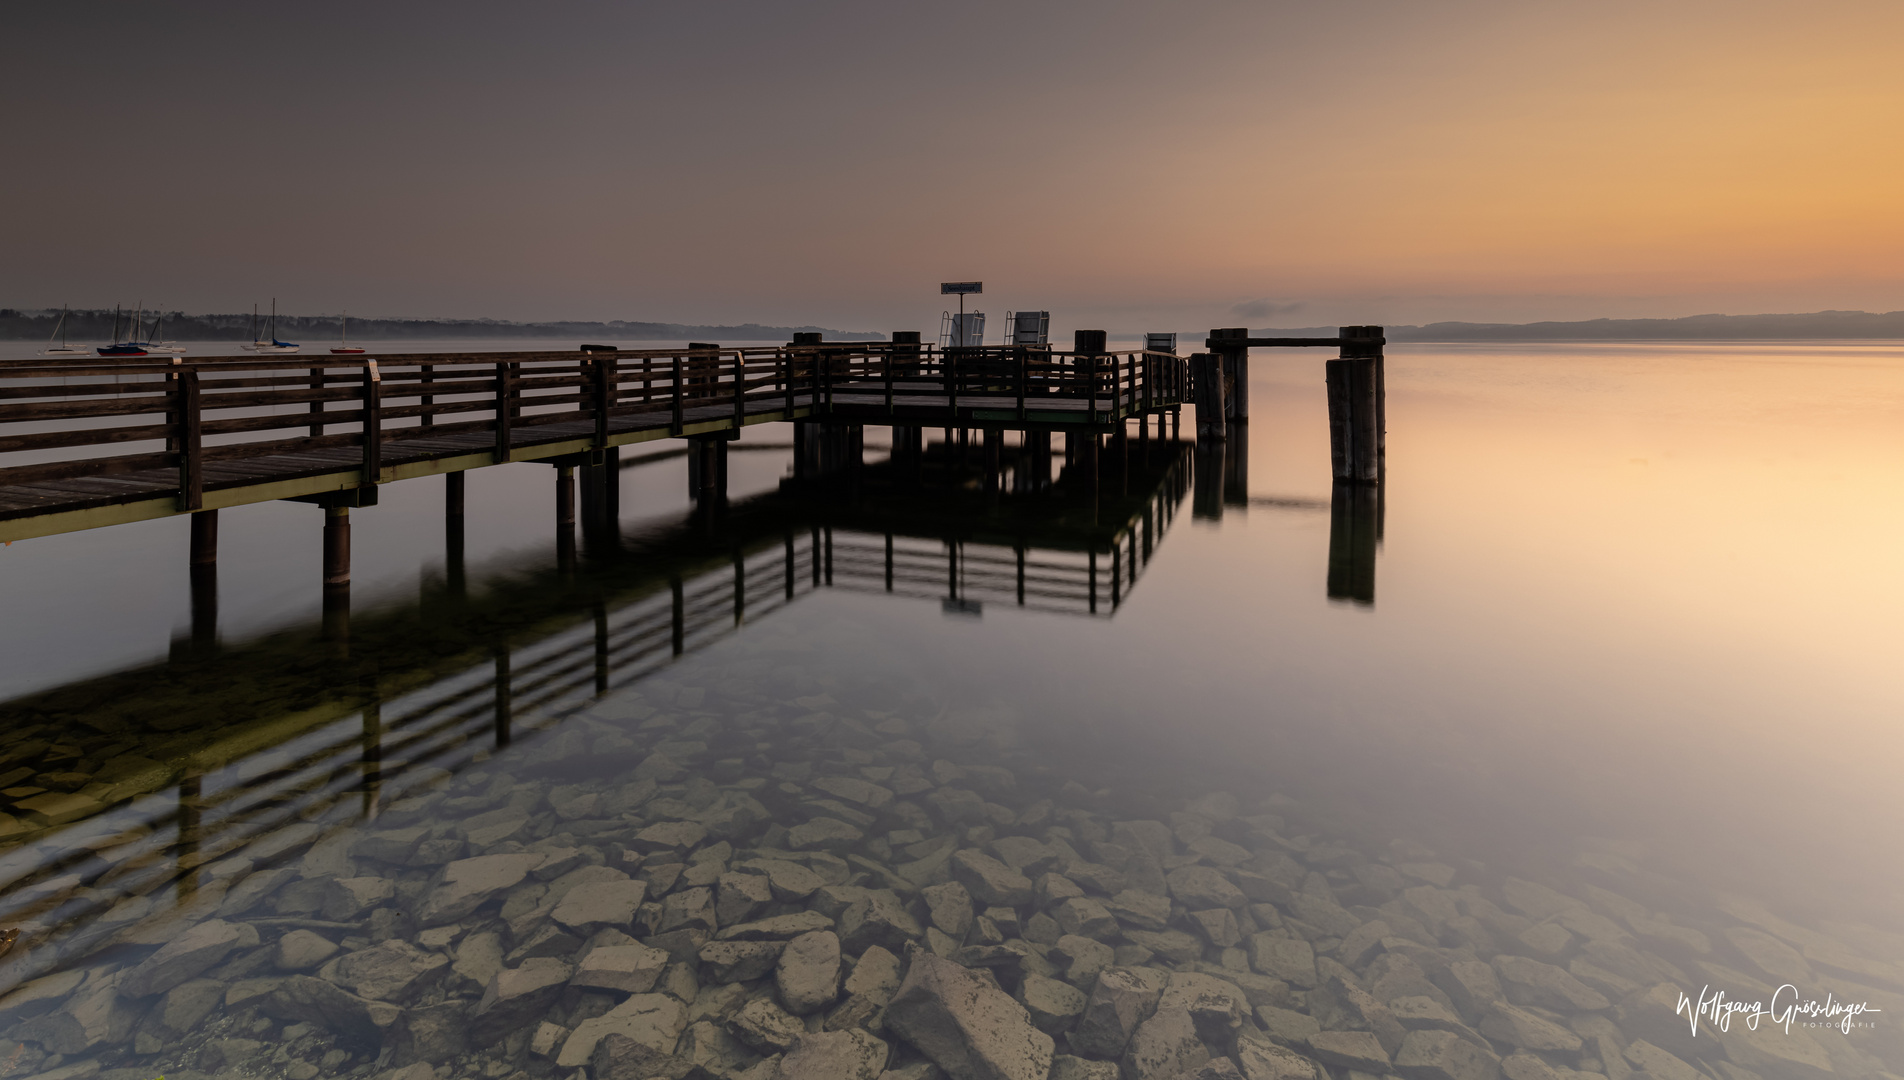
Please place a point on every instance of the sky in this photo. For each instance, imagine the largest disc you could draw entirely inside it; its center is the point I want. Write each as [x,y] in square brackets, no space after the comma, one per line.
[1131,166]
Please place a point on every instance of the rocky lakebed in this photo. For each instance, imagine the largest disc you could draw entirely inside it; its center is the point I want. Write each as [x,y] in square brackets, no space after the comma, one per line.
[687,882]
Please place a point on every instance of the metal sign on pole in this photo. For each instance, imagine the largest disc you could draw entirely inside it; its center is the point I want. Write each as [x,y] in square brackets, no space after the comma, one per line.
[961,289]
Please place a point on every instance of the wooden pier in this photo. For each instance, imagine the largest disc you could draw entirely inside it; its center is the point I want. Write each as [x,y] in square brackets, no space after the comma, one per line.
[87,445]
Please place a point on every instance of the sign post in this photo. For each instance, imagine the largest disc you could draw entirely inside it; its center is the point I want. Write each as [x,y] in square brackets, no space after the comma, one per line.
[962,289]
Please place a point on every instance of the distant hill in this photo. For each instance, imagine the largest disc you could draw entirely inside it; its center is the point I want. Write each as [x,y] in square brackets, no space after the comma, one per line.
[89,326]
[1816,325]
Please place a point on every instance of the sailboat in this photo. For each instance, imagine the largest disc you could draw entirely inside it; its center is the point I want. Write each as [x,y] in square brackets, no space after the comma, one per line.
[154,345]
[126,347]
[62,349]
[269,343]
[343,346]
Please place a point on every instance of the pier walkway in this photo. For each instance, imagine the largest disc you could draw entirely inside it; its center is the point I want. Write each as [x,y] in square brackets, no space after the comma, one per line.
[93,444]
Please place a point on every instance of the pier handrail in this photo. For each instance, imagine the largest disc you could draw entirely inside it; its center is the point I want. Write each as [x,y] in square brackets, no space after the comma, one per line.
[198,421]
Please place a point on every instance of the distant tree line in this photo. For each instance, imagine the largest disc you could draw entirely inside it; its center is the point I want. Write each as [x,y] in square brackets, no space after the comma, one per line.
[1818,324]
[96,326]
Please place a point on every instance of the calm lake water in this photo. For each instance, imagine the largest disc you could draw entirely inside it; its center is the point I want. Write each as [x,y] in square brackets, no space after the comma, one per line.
[1633,638]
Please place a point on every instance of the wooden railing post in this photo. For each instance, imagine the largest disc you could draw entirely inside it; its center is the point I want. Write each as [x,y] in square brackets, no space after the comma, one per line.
[317,407]
[502,413]
[373,422]
[783,362]
[740,390]
[1023,356]
[191,461]
[426,373]
[674,425]
[888,354]
[605,372]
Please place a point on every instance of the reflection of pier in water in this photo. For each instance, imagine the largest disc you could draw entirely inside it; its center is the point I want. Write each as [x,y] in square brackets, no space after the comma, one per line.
[303,724]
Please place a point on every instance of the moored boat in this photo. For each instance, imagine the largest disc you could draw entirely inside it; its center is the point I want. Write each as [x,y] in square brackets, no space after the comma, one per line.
[62,349]
[343,346]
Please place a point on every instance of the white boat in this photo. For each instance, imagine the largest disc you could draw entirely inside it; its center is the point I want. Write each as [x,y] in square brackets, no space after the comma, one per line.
[154,345]
[62,349]
[269,343]
[343,346]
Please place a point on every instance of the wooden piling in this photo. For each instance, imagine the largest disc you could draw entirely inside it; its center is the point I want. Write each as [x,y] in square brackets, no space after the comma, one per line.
[204,537]
[1232,349]
[1356,409]
[565,516]
[1207,388]
[337,545]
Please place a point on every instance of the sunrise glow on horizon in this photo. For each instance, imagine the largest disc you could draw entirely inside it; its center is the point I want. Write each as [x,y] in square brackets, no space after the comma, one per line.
[1277,164]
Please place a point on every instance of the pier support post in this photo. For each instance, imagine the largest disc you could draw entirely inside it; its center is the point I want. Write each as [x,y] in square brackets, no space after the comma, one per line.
[1232,351]
[1356,408]
[204,537]
[707,470]
[336,619]
[994,459]
[1040,446]
[1207,386]
[336,546]
[565,516]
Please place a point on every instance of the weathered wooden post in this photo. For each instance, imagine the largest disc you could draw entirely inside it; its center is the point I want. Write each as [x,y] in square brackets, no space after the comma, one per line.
[1355,405]
[336,620]
[1207,386]
[1232,348]
[565,517]
[994,459]
[1236,466]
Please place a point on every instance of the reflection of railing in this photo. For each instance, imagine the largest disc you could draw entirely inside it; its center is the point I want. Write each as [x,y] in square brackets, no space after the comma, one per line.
[269,787]
[97,444]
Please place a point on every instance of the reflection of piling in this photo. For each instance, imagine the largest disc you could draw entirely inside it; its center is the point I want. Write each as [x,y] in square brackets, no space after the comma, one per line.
[454,487]
[188,836]
[1355,525]
[372,750]
[1236,465]
[204,580]
[1206,500]
[505,703]
[1357,411]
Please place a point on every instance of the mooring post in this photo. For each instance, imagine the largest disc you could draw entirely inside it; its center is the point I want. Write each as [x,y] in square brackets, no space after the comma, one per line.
[1231,345]
[1355,405]
[1206,387]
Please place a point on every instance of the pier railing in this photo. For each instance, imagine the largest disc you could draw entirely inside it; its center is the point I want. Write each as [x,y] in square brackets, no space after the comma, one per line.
[89,432]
